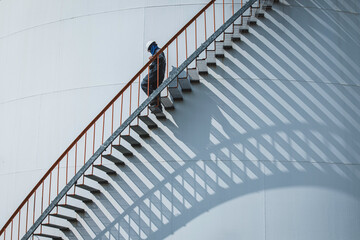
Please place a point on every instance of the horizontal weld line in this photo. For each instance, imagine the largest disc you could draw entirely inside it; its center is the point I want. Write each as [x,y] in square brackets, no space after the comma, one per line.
[61,91]
[94,14]
[190,160]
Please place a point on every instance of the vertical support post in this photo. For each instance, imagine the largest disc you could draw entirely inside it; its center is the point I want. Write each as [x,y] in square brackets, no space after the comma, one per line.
[205,25]
[19,225]
[195,35]
[214,19]
[233,7]
[27,216]
[84,155]
[34,208]
[223,11]
[157,78]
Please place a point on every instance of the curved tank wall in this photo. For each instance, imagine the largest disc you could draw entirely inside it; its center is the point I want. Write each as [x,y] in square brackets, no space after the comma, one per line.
[60,64]
[276,150]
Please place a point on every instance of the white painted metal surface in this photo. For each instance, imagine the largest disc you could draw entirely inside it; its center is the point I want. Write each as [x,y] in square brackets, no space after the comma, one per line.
[276,121]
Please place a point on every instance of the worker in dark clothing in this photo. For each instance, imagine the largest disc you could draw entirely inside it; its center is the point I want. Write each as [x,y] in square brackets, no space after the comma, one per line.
[153,83]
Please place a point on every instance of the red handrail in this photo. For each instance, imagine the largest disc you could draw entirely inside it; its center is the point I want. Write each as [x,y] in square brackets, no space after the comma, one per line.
[65,153]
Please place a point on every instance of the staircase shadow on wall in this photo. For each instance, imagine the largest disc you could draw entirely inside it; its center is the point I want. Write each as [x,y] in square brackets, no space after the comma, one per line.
[251,120]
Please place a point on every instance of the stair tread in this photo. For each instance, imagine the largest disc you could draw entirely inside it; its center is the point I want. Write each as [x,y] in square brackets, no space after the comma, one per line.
[78,197]
[167,103]
[71,219]
[133,142]
[113,159]
[88,188]
[202,66]
[62,228]
[105,169]
[47,236]
[185,84]
[160,115]
[219,51]
[123,150]
[139,130]
[71,207]
[210,58]
[96,178]
[175,93]
[194,75]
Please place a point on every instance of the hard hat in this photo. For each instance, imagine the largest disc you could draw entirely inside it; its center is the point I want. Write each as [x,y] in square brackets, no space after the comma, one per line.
[148,44]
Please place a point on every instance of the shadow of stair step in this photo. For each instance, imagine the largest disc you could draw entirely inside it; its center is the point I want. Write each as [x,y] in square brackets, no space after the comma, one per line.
[44,235]
[113,159]
[71,207]
[123,150]
[139,130]
[61,228]
[105,169]
[96,178]
[252,21]
[70,219]
[133,142]
[78,197]
[88,188]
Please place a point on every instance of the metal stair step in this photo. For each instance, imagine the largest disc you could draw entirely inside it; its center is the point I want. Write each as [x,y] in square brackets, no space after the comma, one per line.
[219,49]
[266,6]
[168,105]
[96,178]
[227,41]
[70,219]
[123,150]
[105,169]
[139,130]
[71,207]
[202,66]
[185,84]
[47,236]
[160,115]
[259,13]
[244,28]
[88,188]
[113,159]
[236,35]
[210,58]
[252,21]
[174,87]
[184,81]
[50,225]
[78,197]
[194,75]
[133,142]
[175,93]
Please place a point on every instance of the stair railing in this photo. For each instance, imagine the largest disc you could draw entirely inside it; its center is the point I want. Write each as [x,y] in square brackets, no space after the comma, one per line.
[99,135]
